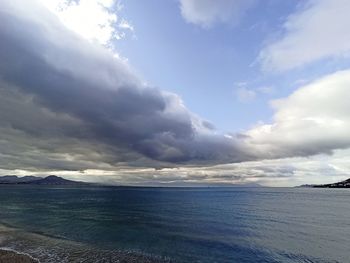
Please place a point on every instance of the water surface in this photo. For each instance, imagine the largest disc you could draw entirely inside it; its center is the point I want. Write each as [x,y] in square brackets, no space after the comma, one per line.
[102,224]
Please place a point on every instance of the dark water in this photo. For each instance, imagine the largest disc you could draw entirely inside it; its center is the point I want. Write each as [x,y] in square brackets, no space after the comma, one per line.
[180,225]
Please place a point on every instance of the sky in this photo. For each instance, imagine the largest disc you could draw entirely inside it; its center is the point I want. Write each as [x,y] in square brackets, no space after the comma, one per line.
[176,92]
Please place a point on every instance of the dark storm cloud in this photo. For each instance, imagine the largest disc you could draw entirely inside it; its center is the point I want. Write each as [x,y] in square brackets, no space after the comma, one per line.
[64,95]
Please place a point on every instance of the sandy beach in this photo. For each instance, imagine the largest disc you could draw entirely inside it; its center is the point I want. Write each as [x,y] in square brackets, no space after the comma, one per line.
[8,256]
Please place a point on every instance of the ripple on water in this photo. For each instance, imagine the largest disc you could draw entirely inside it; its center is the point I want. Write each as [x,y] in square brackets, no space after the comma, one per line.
[51,250]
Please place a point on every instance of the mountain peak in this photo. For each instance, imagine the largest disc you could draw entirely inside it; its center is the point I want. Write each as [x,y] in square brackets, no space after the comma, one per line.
[33,180]
[54,180]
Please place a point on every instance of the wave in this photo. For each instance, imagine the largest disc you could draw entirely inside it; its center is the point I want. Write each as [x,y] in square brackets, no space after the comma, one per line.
[48,249]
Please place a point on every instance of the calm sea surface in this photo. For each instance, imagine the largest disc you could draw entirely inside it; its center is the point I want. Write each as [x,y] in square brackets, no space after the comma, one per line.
[104,224]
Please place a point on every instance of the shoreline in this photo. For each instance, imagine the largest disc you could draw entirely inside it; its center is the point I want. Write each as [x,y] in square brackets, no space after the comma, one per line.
[18,246]
[11,256]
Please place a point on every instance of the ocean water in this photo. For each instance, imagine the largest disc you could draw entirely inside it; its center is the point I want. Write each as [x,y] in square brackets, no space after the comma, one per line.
[107,224]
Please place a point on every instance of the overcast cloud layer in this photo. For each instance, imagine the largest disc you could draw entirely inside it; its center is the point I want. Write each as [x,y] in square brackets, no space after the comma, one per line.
[67,104]
[86,95]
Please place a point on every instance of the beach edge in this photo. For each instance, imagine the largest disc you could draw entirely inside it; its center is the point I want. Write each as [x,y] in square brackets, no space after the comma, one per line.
[11,256]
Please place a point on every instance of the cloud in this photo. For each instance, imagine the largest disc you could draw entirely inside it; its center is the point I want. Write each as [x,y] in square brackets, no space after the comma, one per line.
[77,16]
[312,120]
[78,106]
[206,13]
[245,95]
[70,106]
[279,172]
[318,30]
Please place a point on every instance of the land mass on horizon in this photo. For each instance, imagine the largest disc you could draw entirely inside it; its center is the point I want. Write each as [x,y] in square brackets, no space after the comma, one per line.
[342,184]
[34,180]
[56,180]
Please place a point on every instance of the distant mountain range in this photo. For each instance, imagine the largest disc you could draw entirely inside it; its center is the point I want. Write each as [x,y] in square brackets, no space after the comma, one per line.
[342,184]
[34,180]
[56,180]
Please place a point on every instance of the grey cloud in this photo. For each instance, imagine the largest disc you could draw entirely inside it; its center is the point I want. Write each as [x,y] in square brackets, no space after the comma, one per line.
[83,99]
[67,105]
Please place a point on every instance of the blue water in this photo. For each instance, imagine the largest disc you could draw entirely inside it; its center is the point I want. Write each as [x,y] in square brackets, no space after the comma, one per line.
[177,224]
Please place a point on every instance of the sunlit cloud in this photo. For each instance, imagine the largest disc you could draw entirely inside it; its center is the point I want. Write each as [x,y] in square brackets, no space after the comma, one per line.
[95,20]
[318,30]
[207,13]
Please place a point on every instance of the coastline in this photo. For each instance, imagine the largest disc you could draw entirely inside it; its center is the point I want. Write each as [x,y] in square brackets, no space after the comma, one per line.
[10,256]
[20,246]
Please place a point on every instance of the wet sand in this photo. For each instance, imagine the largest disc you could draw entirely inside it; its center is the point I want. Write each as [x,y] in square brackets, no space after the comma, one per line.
[8,256]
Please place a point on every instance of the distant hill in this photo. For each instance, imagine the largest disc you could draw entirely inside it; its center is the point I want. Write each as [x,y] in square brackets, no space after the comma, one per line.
[13,179]
[54,180]
[33,180]
[342,184]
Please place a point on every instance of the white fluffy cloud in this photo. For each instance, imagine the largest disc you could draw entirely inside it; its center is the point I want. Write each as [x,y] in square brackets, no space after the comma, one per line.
[95,20]
[314,119]
[321,29]
[206,13]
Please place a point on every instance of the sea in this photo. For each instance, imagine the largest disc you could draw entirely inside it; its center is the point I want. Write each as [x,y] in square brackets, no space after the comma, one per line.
[126,224]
